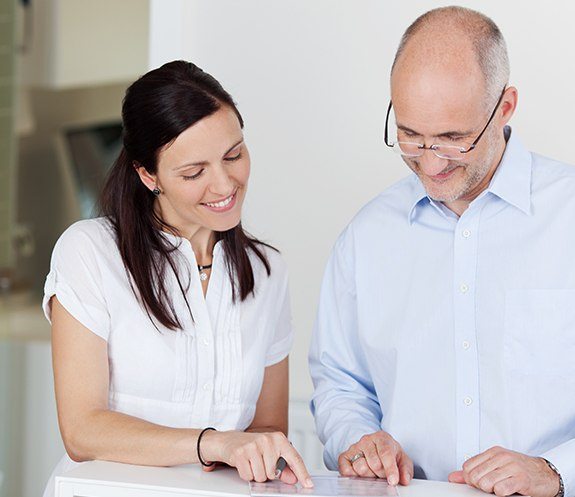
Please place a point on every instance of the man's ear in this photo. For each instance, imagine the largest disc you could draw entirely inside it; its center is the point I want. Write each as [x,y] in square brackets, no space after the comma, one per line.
[148,179]
[508,105]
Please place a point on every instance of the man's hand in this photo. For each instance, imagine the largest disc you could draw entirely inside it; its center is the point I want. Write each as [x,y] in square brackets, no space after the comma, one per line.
[505,472]
[381,457]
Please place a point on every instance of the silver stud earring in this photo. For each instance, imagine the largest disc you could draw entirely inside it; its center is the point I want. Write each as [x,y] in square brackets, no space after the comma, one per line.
[156,191]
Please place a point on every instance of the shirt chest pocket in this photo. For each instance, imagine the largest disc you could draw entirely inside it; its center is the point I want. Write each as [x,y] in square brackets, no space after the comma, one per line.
[539,370]
[540,332]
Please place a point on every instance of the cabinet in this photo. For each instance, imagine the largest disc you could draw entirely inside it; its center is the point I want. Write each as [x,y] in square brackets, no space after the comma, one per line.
[74,43]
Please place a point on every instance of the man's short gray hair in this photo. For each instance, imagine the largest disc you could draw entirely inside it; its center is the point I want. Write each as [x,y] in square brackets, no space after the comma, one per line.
[485,36]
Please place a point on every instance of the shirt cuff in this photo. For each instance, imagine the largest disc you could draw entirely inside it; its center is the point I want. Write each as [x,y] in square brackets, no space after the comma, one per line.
[563,458]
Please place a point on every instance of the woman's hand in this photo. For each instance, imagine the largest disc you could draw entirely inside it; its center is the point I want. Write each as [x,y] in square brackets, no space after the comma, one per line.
[255,455]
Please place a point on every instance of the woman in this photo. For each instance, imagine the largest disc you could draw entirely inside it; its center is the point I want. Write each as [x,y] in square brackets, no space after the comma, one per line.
[168,320]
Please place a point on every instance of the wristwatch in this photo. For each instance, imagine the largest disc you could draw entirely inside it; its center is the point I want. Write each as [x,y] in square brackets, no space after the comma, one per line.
[561,492]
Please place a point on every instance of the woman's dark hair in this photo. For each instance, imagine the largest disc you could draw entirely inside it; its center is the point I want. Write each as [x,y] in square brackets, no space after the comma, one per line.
[156,109]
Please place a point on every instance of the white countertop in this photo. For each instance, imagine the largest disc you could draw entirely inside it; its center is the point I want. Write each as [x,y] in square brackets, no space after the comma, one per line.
[177,480]
[107,479]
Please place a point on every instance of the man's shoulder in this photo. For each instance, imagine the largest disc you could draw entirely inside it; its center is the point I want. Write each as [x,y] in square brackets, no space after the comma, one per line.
[393,203]
[552,182]
[386,213]
[546,170]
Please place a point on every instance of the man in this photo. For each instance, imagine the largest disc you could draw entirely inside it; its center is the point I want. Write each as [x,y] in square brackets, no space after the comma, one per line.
[445,336]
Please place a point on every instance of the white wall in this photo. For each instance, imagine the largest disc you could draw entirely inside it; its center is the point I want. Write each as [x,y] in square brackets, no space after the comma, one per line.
[311,80]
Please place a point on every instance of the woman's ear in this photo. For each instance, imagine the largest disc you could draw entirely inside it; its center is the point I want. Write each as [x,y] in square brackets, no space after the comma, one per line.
[149,180]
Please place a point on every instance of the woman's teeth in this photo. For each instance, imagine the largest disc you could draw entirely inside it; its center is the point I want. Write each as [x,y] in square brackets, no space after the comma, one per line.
[223,203]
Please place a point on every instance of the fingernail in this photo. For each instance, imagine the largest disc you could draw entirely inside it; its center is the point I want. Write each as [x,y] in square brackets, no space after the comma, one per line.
[392,480]
[309,483]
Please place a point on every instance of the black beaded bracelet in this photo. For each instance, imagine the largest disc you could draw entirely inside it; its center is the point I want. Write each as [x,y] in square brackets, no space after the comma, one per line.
[204,463]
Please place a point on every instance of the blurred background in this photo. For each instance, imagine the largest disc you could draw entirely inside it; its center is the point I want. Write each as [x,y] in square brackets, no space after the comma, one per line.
[311,80]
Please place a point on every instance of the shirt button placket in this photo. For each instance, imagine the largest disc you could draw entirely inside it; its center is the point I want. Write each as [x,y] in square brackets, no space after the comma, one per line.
[467,369]
[202,361]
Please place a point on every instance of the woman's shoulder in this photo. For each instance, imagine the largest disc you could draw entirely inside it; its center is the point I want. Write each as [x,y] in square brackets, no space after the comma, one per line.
[278,267]
[87,234]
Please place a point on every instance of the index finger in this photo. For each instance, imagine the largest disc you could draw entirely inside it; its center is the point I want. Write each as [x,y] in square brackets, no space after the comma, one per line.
[388,456]
[475,461]
[297,465]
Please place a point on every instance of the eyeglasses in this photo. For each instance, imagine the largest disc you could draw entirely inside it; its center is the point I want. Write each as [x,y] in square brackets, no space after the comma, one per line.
[449,152]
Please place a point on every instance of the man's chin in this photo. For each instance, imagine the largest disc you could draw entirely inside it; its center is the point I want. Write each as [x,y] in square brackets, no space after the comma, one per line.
[443,194]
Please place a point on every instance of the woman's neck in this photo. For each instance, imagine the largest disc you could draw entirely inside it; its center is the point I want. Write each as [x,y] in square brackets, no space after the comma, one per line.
[201,238]
[203,242]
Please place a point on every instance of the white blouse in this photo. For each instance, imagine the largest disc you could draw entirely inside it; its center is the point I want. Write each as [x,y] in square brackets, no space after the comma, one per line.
[208,374]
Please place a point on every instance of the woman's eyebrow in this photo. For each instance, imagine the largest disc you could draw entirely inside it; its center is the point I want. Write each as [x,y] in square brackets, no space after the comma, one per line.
[190,164]
[205,162]
[233,146]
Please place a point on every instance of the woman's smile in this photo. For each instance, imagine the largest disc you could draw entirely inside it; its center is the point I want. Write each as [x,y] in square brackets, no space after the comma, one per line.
[224,205]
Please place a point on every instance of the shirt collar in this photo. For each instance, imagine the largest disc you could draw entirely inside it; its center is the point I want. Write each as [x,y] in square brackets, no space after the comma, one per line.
[511,181]
[419,198]
[177,241]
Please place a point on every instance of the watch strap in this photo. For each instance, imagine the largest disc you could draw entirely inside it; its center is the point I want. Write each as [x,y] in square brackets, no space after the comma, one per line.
[561,492]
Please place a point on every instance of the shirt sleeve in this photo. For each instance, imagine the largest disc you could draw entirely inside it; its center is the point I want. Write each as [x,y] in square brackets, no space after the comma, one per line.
[282,341]
[563,458]
[344,402]
[75,278]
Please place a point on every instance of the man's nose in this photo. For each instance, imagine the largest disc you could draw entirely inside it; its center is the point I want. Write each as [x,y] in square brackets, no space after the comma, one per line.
[430,164]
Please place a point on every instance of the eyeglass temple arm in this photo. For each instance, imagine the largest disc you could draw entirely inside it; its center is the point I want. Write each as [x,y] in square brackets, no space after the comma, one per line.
[386,123]
[474,144]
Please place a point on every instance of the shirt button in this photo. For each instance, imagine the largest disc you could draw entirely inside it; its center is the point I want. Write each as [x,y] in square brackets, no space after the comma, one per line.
[466,233]
[206,342]
[466,344]
[463,288]
[468,401]
[207,386]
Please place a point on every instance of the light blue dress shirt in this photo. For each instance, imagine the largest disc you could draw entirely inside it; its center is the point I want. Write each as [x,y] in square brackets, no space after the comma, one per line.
[454,334]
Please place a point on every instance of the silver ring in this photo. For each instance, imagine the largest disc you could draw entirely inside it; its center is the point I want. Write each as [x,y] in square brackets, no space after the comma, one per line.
[357,456]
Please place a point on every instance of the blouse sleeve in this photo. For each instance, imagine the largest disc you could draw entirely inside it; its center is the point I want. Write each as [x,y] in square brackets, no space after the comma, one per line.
[75,278]
[282,341]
